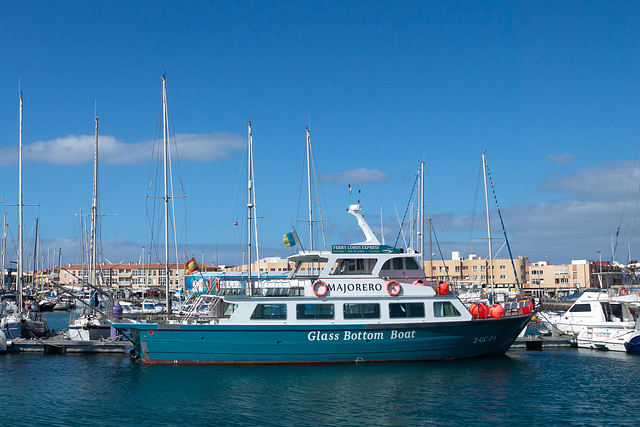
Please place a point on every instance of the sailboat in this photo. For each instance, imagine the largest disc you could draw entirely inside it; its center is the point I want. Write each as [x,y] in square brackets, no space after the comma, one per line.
[24,322]
[92,324]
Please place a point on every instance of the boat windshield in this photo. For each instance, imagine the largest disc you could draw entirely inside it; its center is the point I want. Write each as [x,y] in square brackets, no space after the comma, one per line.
[345,266]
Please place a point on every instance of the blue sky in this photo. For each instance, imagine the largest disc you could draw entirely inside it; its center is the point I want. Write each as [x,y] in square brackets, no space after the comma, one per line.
[549,90]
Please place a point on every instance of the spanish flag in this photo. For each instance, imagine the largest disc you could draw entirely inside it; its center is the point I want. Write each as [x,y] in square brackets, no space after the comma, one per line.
[191,266]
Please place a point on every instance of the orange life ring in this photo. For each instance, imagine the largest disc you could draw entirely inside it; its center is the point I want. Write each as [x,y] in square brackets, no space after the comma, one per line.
[317,292]
[483,294]
[393,288]
[623,291]
[217,285]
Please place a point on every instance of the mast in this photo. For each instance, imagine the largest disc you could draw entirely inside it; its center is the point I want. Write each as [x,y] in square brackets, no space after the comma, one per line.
[19,267]
[4,251]
[165,138]
[94,215]
[309,189]
[249,206]
[486,195]
[35,257]
[421,216]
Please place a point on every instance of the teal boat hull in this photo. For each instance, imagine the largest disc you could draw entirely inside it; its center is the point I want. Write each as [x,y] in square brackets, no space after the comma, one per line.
[159,343]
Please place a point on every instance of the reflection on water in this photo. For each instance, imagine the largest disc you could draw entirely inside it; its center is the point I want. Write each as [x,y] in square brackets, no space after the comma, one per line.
[545,387]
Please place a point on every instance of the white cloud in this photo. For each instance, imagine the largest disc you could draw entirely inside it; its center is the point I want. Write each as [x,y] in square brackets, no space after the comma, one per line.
[356,176]
[611,181]
[79,149]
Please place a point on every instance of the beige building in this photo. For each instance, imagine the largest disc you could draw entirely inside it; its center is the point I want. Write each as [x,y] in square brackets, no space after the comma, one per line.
[475,271]
[130,276]
[559,280]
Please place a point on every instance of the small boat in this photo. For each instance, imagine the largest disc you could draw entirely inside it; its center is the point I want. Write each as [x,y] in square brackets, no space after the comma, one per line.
[89,327]
[598,310]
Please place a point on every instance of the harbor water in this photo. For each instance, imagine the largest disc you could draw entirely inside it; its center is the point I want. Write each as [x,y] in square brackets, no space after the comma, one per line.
[550,387]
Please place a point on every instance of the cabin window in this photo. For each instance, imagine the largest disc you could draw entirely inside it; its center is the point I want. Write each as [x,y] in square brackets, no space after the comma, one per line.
[354,266]
[397,264]
[314,311]
[406,309]
[361,311]
[412,264]
[580,308]
[386,265]
[269,312]
[445,309]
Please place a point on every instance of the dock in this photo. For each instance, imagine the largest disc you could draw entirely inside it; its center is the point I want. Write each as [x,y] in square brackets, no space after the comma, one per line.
[540,342]
[59,345]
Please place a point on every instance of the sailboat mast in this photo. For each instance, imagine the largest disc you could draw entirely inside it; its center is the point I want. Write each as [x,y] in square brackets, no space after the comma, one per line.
[94,215]
[486,196]
[19,267]
[249,206]
[4,251]
[309,189]
[421,216]
[166,189]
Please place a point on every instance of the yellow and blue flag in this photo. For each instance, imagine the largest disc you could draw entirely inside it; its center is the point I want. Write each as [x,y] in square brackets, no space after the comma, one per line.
[288,240]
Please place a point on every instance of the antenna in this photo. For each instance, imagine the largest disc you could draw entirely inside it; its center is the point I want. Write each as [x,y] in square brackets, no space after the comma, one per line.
[349,194]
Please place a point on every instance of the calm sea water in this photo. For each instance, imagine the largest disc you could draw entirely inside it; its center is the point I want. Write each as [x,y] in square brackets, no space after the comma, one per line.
[550,387]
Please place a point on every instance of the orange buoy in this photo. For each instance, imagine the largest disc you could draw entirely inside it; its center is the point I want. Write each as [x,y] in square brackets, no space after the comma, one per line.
[442,288]
[419,282]
[496,311]
[623,291]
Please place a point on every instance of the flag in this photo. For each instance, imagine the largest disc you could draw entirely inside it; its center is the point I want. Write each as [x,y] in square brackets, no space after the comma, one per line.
[288,240]
[291,239]
[191,266]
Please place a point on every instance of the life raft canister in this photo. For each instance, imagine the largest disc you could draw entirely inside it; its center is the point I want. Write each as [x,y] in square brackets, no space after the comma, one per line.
[393,288]
[479,311]
[496,311]
[442,288]
[321,290]
[528,308]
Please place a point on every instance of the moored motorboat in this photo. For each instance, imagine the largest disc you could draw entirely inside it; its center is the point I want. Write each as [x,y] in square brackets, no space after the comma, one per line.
[368,303]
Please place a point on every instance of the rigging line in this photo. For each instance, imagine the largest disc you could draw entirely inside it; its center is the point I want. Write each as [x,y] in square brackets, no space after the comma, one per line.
[613,254]
[315,179]
[415,182]
[473,211]
[504,231]
[446,271]
[632,229]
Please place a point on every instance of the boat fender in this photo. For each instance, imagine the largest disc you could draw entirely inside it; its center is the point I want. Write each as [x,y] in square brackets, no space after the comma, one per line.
[623,291]
[419,282]
[393,288]
[319,291]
